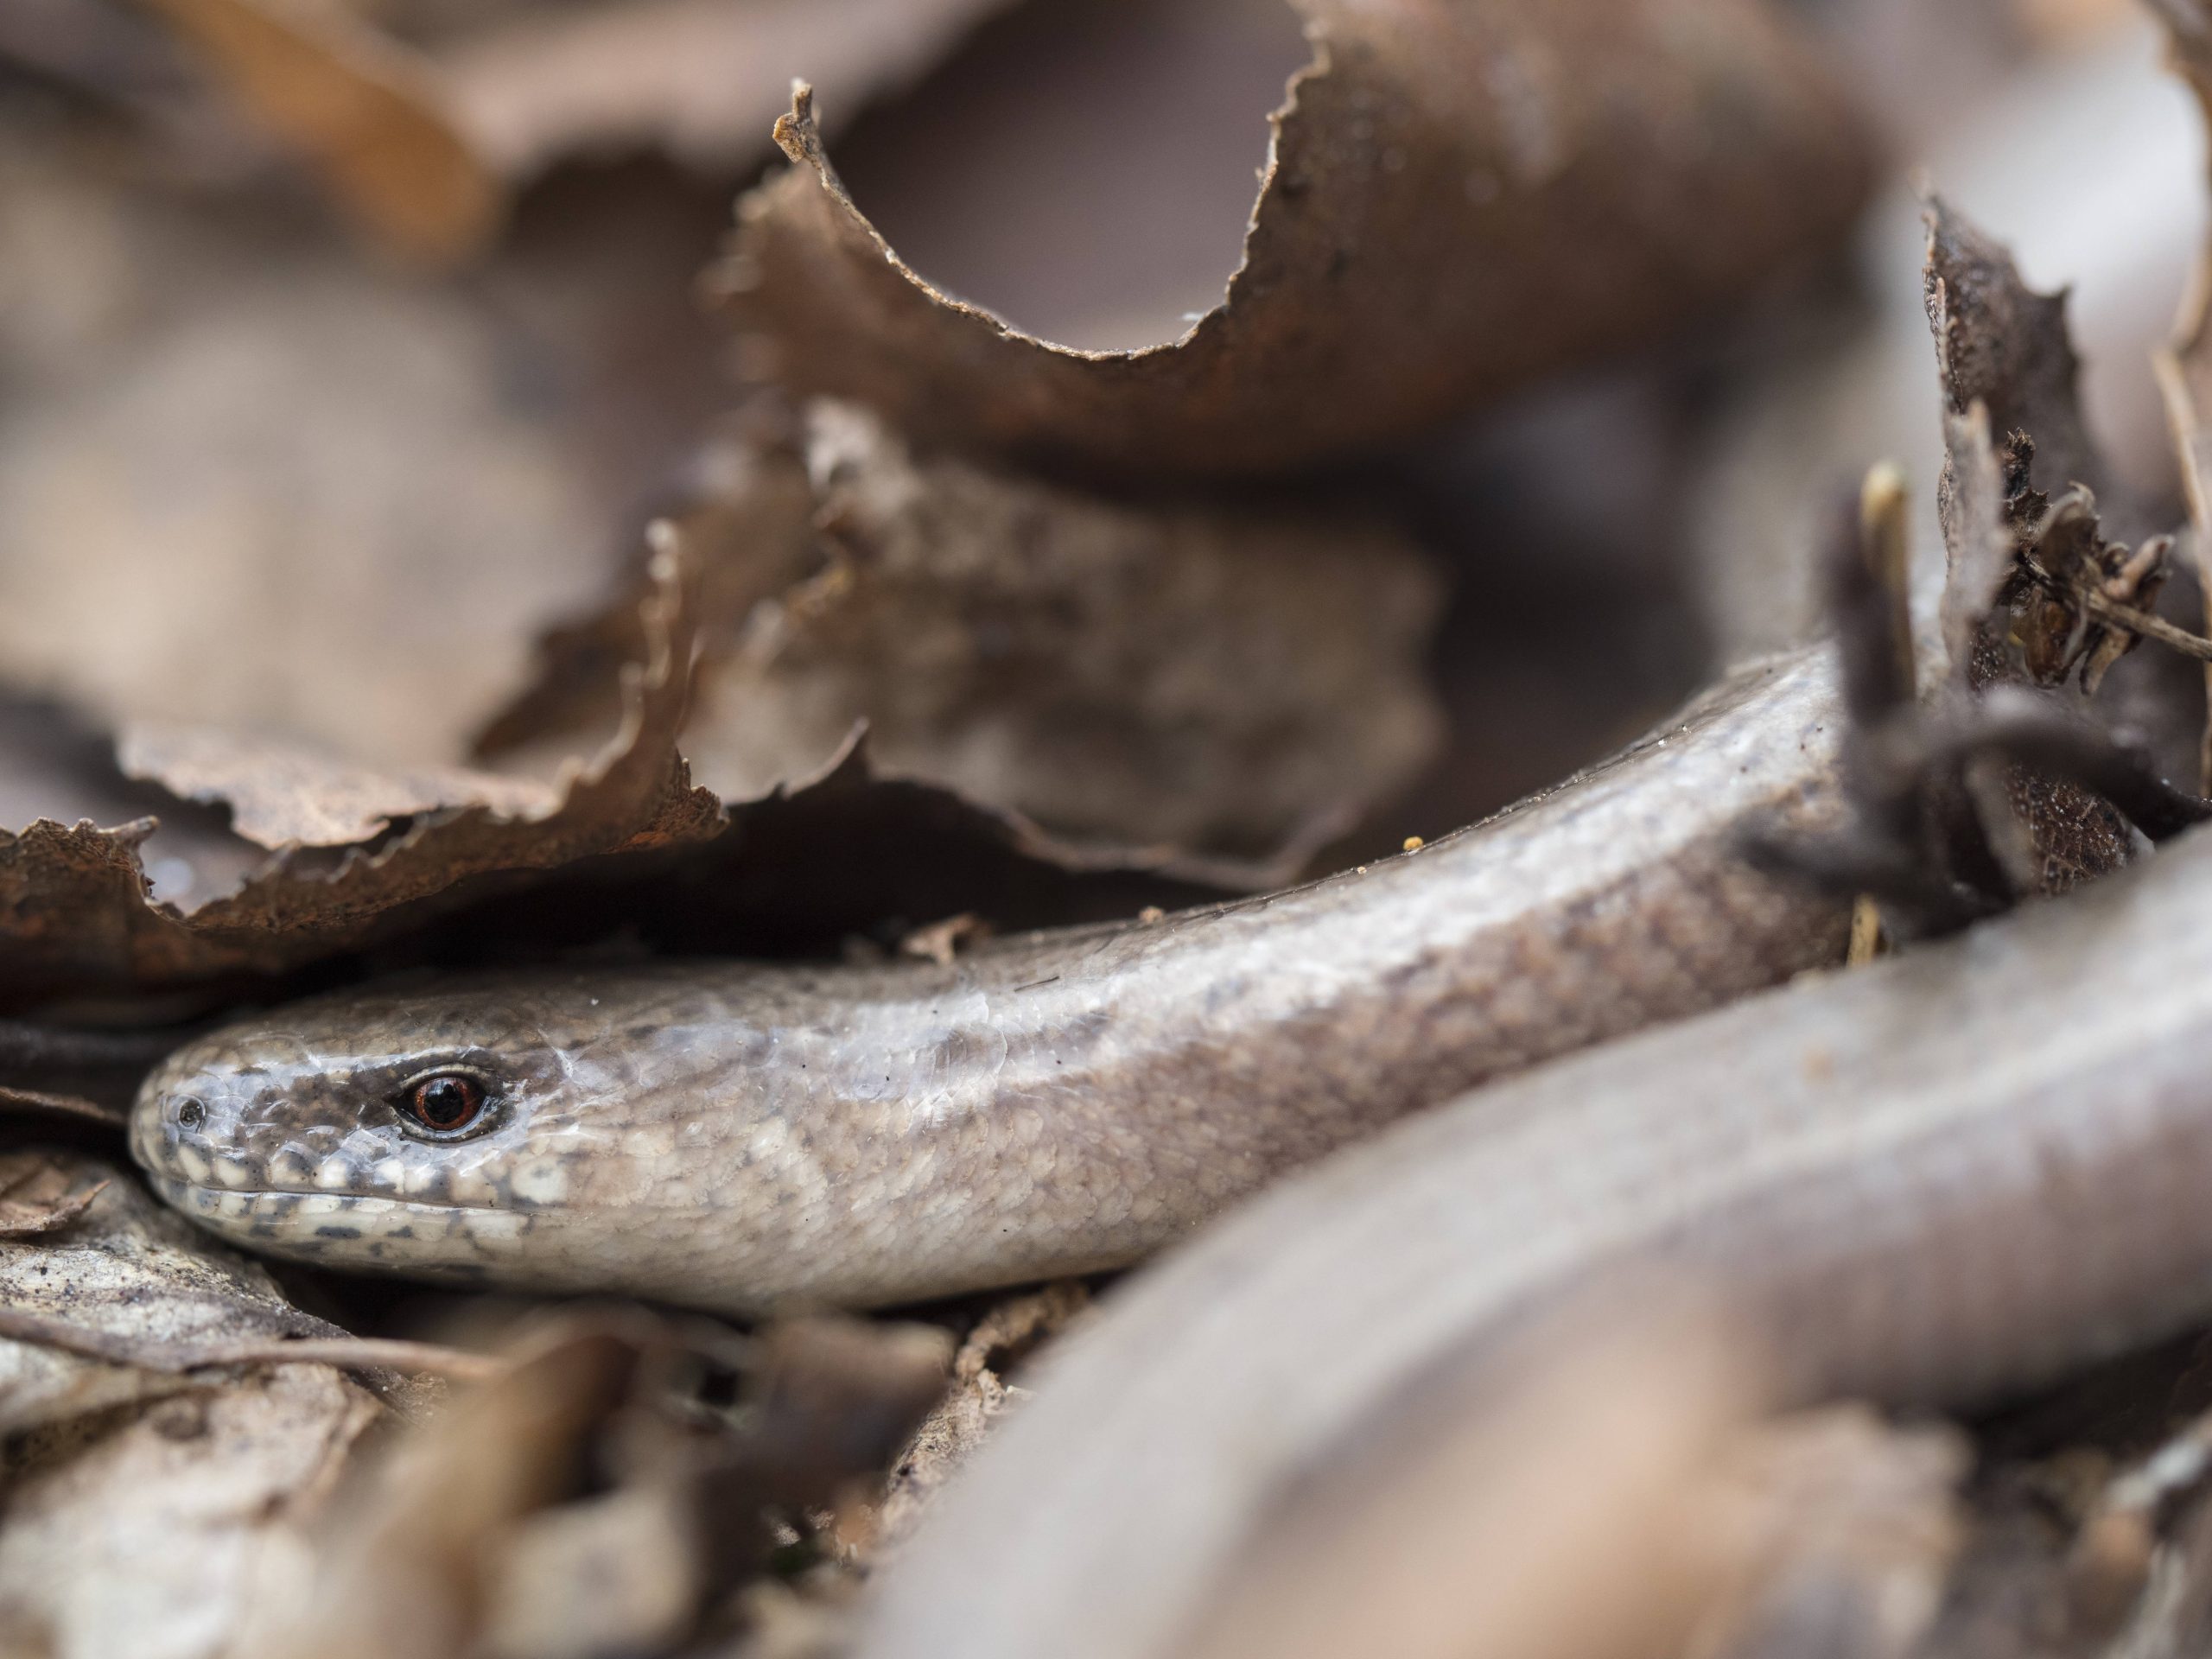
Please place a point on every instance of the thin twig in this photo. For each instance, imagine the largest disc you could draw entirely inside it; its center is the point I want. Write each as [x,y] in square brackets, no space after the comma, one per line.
[2143,622]
[153,1354]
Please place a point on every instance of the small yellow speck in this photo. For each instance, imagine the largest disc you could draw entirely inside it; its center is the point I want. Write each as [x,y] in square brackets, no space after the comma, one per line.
[1150,914]
[1414,843]
[1361,871]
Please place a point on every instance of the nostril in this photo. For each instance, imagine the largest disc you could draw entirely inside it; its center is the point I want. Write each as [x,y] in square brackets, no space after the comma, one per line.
[190,1114]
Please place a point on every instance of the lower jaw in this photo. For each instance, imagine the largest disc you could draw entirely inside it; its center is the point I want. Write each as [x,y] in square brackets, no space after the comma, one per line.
[343,1230]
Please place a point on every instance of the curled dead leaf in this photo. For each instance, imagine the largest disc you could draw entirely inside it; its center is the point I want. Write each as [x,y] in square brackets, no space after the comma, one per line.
[1459,200]
[361,108]
[1215,689]
[281,794]
[74,907]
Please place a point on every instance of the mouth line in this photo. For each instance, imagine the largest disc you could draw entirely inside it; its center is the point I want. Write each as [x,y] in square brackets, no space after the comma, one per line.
[245,1202]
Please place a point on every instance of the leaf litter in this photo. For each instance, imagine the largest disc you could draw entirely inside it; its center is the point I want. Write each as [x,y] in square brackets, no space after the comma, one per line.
[912,579]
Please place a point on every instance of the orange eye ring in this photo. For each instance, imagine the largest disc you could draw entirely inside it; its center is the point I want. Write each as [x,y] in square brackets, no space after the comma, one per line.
[445,1103]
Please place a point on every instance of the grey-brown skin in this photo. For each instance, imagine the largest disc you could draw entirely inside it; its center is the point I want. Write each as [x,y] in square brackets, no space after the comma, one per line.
[744,1137]
[1929,1182]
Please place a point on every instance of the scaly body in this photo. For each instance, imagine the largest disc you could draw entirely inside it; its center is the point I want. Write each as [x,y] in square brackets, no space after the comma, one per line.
[1931,1181]
[743,1136]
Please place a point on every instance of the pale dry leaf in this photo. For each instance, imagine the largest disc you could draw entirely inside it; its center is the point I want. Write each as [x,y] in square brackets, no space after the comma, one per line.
[248,480]
[40,1195]
[2007,371]
[613,1574]
[281,794]
[1427,235]
[164,1535]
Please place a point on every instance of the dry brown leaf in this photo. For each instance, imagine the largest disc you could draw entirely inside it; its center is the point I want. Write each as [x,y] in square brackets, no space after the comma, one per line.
[2001,343]
[360,108]
[405,1572]
[1459,200]
[1195,688]
[75,908]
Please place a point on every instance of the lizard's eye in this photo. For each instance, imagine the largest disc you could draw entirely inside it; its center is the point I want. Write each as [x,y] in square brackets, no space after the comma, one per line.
[445,1103]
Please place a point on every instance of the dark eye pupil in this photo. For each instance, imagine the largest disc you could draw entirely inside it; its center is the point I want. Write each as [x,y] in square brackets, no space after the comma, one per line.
[446,1103]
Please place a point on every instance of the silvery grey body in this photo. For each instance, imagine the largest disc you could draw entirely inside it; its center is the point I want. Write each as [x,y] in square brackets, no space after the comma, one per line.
[742,1137]
[1931,1181]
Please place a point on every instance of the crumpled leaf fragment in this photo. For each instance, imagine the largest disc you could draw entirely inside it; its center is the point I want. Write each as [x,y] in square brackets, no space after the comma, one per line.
[1460,199]
[1198,687]
[282,793]
[73,902]
[163,1537]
